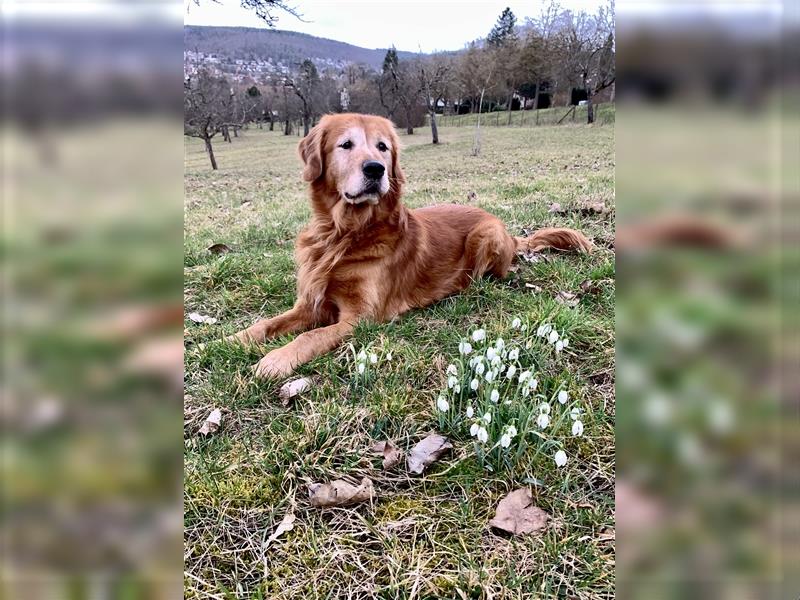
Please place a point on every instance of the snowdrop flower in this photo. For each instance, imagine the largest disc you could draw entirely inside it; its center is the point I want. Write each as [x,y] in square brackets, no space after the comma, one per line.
[511,371]
[442,404]
[495,396]
[505,440]
[543,330]
[490,375]
[389,356]
[523,376]
[507,402]
[373,358]
[528,344]
[524,327]
[491,353]
[526,391]
[478,335]
[565,341]
[480,368]
[533,384]
[362,356]
[452,370]
[543,420]
[563,396]
[497,361]
[457,389]
[473,431]
[513,354]
[451,382]
[577,429]
[511,430]
[553,337]
[464,348]
[474,384]
[470,412]
[561,458]
[483,435]
[575,413]
[361,367]
[500,343]
[516,323]
[544,408]
[559,346]
[487,417]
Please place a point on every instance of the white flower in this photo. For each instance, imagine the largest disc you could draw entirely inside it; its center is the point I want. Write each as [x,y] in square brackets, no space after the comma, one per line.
[511,430]
[516,323]
[487,417]
[361,367]
[483,435]
[526,392]
[544,407]
[561,458]
[464,348]
[452,370]
[490,375]
[553,337]
[559,346]
[497,361]
[533,384]
[524,327]
[442,404]
[565,341]
[495,396]
[577,428]
[451,382]
[474,384]
[720,416]
[508,402]
[511,371]
[491,353]
[457,389]
[500,343]
[543,420]
[473,431]
[480,368]
[543,330]
[523,376]
[470,412]
[389,356]
[513,354]
[563,396]
[373,358]
[575,413]
[505,441]
[362,356]
[478,335]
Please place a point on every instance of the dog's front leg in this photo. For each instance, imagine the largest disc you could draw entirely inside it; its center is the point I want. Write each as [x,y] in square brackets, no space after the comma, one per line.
[305,347]
[296,319]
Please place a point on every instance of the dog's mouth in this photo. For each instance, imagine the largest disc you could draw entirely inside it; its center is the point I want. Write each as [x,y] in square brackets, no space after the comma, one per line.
[371,193]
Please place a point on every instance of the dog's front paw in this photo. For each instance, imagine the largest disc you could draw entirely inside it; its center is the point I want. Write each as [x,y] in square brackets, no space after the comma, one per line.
[242,337]
[276,364]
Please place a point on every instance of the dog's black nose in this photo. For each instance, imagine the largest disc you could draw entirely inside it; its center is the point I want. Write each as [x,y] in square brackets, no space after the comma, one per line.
[373,169]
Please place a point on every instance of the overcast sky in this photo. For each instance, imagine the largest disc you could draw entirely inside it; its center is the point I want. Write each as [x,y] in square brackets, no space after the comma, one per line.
[410,25]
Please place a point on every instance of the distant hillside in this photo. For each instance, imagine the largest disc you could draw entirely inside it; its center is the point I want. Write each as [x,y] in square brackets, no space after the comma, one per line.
[288,47]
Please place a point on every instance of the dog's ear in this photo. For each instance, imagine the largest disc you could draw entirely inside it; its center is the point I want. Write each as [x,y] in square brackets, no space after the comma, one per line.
[310,149]
[397,172]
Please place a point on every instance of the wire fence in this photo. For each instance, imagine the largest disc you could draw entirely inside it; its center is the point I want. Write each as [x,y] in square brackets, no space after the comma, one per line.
[562,115]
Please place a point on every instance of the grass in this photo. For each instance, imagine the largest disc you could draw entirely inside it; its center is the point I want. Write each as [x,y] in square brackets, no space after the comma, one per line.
[423,537]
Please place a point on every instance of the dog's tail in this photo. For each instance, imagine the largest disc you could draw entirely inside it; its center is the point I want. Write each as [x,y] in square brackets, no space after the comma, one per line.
[558,238]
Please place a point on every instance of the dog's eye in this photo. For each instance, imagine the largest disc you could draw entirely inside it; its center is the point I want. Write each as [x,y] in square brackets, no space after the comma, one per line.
[347,145]
[382,147]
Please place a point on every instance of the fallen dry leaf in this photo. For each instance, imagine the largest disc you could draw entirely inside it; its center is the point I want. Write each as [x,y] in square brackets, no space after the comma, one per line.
[426,452]
[392,455]
[212,422]
[339,493]
[555,207]
[286,524]
[218,248]
[292,388]
[593,208]
[198,318]
[567,298]
[533,287]
[516,514]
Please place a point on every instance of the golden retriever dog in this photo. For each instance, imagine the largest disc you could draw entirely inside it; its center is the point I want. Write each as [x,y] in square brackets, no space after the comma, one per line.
[366,256]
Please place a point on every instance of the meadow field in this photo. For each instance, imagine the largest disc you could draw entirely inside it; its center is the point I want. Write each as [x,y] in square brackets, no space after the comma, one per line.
[420,536]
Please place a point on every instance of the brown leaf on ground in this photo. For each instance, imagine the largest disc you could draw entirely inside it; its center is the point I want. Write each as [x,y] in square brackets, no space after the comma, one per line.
[392,455]
[293,388]
[567,298]
[212,422]
[516,514]
[426,452]
[287,524]
[198,318]
[218,249]
[340,493]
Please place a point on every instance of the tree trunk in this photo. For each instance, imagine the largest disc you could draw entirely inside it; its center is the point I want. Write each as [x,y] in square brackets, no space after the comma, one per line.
[409,126]
[476,143]
[287,128]
[210,151]
[306,124]
[510,102]
[226,135]
[271,124]
[536,97]
[434,128]
[589,107]
[235,131]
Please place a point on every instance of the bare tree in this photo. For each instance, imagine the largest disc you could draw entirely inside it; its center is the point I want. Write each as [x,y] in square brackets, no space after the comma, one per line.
[306,88]
[264,9]
[434,79]
[208,107]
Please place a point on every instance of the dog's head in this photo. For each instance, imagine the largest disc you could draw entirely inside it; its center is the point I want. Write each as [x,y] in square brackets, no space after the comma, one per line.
[353,157]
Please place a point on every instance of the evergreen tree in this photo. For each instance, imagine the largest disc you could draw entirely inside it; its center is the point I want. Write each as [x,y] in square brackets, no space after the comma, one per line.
[503,30]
